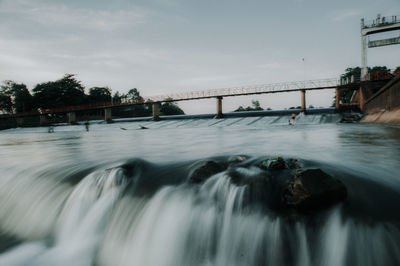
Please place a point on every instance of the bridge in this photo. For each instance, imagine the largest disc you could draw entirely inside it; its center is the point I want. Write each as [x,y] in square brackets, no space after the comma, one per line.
[218,94]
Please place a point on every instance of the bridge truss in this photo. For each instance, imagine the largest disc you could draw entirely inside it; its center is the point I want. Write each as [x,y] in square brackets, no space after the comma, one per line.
[318,84]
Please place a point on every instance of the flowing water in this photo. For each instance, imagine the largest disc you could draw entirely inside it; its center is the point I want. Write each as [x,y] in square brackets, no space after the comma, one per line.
[118,196]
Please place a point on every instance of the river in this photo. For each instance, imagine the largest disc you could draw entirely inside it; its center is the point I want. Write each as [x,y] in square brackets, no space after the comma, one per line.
[119,195]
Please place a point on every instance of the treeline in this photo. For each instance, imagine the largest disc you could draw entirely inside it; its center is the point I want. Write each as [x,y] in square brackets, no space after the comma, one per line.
[255,106]
[374,73]
[68,91]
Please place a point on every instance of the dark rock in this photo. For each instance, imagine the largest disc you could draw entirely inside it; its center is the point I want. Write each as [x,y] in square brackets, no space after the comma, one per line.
[274,164]
[293,163]
[350,118]
[313,189]
[205,170]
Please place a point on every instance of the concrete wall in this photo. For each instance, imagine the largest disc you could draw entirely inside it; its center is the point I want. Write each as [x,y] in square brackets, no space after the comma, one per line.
[384,106]
[387,98]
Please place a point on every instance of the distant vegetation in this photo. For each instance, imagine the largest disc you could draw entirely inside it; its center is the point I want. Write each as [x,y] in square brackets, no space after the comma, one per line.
[68,91]
[255,107]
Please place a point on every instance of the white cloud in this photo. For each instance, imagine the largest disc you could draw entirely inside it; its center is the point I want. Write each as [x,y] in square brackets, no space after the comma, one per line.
[57,16]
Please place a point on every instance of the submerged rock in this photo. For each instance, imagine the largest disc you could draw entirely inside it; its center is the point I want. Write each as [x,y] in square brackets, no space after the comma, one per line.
[274,164]
[294,163]
[313,189]
[350,118]
[205,170]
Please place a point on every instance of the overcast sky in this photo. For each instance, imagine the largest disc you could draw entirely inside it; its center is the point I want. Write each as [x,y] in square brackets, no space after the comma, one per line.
[165,46]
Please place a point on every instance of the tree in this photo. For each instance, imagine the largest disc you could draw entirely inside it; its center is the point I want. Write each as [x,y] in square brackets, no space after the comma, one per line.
[116,98]
[240,109]
[5,97]
[99,94]
[397,71]
[15,97]
[23,100]
[67,91]
[379,73]
[255,107]
[5,103]
[352,74]
[133,95]
[170,108]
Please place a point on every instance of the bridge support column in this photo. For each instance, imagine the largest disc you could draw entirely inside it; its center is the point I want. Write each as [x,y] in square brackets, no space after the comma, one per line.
[337,105]
[72,117]
[42,120]
[156,111]
[20,121]
[219,107]
[108,115]
[303,101]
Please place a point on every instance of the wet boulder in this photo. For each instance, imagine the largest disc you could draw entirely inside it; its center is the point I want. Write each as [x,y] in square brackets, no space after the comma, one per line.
[274,164]
[294,163]
[204,171]
[350,118]
[313,189]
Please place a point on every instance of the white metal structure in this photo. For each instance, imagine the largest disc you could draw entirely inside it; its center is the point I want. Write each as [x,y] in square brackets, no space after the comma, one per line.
[318,84]
[380,24]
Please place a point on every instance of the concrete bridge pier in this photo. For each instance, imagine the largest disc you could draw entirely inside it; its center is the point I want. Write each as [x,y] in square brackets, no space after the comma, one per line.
[71,117]
[20,121]
[337,105]
[156,111]
[42,120]
[108,115]
[303,101]
[219,107]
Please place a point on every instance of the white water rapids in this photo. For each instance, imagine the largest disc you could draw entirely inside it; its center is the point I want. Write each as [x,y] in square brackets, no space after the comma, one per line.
[72,203]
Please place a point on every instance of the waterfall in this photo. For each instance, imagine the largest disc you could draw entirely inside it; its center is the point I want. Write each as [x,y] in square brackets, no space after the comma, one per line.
[103,220]
[80,227]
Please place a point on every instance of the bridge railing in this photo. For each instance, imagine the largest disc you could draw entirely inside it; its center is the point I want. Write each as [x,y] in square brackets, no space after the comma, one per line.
[379,21]
[243,90]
